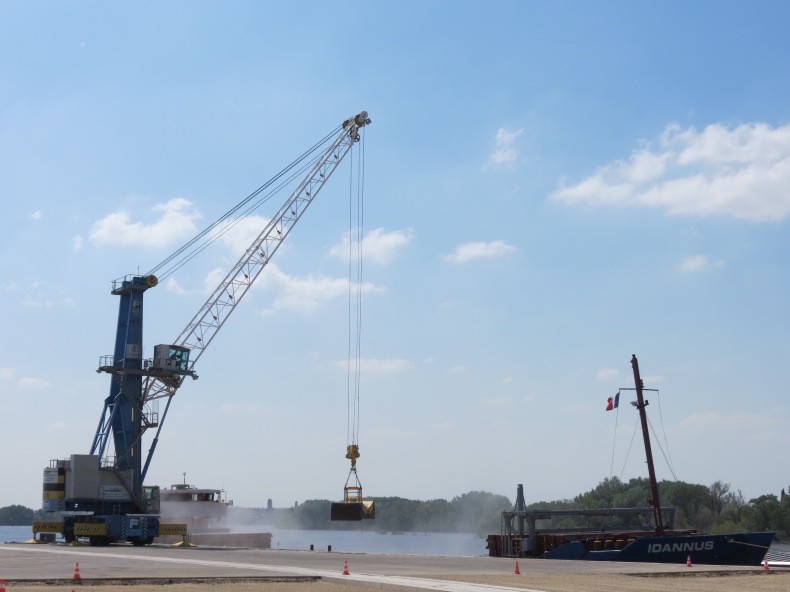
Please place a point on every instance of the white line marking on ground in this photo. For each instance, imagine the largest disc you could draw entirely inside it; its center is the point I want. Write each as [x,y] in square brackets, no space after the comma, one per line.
[399,581]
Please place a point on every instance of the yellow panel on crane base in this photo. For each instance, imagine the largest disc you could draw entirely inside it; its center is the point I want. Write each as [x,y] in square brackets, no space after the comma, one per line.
[47,526]
[90,529]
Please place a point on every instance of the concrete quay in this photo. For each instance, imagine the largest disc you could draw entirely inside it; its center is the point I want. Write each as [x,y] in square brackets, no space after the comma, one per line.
[24,564]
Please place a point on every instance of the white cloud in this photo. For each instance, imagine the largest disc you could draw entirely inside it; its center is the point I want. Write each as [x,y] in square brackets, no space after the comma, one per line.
[6,373]
[607,374]
[387,433]
[39,294]
[378,246]
[501,401]
[76,243]
[37,215]
[740,173]
[285,292]
[176,222]
[376,366]
[173,286]
[210,282]
[728,423]
[694,263]
[304,294]
[388,366]
[446,425]
[240,233]
[244,408]
[697,263]
[505,153]
[479,250]
[33,384]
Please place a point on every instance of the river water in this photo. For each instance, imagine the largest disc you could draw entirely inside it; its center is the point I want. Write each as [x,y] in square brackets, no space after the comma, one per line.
[344,541]
[349,541]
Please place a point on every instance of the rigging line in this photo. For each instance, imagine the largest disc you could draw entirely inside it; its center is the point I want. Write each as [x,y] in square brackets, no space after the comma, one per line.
[244,201]
[664,428]
[627,454]
[192,254]
[233,222]
[661,448]
[614,439]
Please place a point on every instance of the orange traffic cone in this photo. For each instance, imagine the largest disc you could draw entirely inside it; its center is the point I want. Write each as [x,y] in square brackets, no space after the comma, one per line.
[345,568]
[688,561]
[77,572]
[518,571]
[765,567]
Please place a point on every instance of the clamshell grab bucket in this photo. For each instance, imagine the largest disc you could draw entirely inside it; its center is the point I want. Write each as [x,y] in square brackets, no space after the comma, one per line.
[353,507]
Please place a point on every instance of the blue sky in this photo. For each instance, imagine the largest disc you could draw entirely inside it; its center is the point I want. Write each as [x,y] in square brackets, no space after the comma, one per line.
[550,187]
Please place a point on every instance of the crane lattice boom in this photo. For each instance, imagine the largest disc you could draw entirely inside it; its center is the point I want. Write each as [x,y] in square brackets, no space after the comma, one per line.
[202,329]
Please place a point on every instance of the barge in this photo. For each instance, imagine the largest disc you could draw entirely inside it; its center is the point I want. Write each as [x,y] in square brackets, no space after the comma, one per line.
[660,543]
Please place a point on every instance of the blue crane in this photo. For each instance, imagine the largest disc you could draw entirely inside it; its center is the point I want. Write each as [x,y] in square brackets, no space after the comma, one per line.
[101,495]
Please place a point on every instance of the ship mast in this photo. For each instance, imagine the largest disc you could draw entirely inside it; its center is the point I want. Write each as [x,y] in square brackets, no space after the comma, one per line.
[641,403]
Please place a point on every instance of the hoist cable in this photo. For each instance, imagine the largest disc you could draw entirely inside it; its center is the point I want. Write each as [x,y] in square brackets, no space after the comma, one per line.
[354,351]
[353,254]
[360,235]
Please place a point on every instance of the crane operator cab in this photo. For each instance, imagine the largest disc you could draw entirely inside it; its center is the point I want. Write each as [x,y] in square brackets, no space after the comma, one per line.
[353,507]
[171,358]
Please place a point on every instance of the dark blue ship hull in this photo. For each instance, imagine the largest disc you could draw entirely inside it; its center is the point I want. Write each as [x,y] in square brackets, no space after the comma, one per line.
[747,548]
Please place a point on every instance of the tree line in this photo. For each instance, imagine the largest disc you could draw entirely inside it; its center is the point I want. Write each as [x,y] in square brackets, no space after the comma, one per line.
[712,509]
[474,512]
[16,516]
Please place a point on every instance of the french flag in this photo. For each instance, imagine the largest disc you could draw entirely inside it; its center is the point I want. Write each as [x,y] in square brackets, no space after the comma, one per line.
[613,402]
